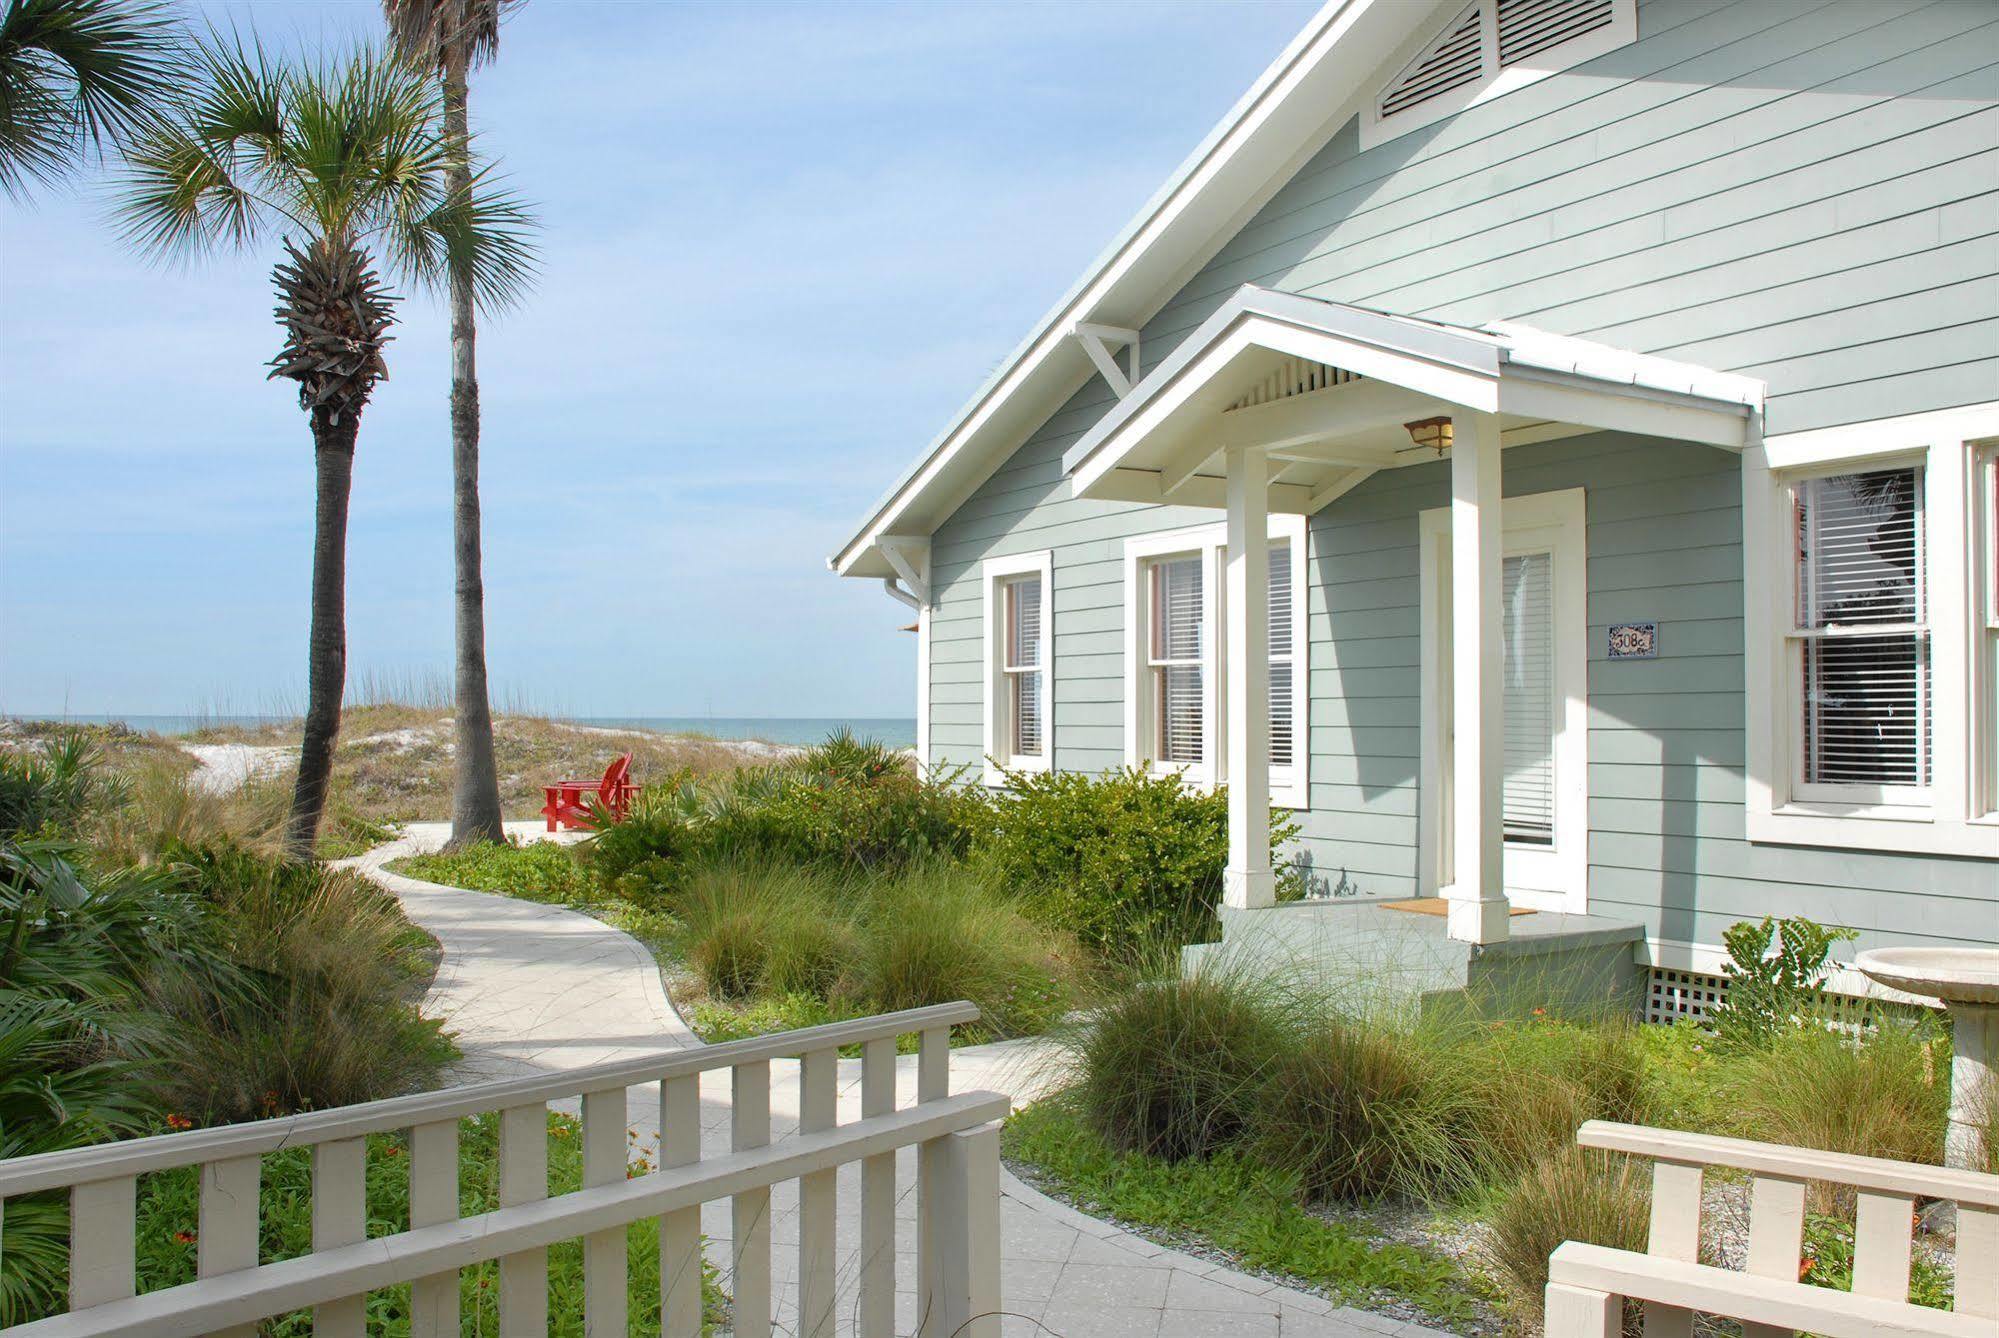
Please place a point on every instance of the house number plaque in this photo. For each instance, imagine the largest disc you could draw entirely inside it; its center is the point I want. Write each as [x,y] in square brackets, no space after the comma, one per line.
[1634,641]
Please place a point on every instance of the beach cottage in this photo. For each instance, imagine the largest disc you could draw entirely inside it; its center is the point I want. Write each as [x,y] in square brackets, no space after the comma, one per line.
[1549,447]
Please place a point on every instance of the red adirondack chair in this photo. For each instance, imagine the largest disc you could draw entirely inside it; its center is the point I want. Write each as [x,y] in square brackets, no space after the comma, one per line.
[568,805]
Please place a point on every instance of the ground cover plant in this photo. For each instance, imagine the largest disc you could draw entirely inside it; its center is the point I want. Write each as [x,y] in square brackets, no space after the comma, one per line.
[1462,1117]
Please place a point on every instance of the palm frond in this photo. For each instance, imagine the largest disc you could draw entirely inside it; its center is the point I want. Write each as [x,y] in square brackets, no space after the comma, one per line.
[426,31]
[75,74]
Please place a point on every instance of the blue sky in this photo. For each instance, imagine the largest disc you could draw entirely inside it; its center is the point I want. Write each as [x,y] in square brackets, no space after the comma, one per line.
[782,244]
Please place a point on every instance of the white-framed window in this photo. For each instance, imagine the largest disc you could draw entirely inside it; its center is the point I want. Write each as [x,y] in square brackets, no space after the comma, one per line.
[1869,645]
[1488,48]
[1986,595]
[1176,669]
[1019,658]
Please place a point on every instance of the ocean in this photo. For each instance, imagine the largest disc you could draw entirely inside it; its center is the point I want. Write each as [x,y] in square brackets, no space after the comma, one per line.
[895,731]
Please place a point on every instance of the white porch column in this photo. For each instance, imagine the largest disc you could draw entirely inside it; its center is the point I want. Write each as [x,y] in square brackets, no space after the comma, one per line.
[1477,895]
[1248,880]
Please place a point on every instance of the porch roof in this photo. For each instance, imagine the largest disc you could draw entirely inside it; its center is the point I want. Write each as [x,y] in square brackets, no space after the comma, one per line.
[1326,389]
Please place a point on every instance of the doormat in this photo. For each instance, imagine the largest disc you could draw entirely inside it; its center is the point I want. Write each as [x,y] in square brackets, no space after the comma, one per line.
[1437,906]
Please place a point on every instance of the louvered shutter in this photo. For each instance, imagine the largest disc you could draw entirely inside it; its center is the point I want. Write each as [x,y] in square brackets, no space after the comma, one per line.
[1454,60]
[1529,27]
[1528,639]
[1176,653]
[1861,616]
[1283,716]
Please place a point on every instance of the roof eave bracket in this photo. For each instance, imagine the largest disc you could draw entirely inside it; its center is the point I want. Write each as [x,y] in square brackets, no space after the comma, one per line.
[1098,341]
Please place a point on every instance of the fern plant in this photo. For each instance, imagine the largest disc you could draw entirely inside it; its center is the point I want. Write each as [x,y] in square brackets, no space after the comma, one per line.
[1776,972]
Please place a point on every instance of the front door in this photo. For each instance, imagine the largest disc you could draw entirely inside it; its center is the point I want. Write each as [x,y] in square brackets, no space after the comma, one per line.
[1543,630]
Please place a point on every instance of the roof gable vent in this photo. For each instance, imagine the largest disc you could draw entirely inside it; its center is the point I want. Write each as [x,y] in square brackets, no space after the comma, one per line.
[1529,27]
[1455,59]
[1492,47]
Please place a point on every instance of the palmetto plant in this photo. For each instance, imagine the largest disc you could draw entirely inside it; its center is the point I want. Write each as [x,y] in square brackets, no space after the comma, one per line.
[350,164]
[74,74]
[452,36]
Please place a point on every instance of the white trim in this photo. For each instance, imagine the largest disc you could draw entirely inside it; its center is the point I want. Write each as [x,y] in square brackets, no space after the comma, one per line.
[1555,879]
[1496,80]
[993,700]
[1290,787]
[1948,820]
[1984,592]
[923,703]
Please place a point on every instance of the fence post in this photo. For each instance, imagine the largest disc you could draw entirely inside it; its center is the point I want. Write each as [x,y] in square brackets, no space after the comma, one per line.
[605,1287]
[749,1211]
[877,1261]
[1575,1312]
[968,1220]
[933,1083]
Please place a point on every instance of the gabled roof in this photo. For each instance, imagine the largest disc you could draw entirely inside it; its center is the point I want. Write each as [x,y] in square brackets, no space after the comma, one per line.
[1311,89]
[1162,439]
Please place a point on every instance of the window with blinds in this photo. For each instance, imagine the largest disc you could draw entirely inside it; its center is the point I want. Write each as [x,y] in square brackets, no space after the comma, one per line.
[1026,685]
[1283,660]
[1176,658]
[1862,630]
[1528,646]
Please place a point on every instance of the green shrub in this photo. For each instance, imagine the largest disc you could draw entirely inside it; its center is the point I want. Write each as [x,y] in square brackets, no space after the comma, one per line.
[53,789]
[1175,1069]
[836,819]
[716,1022]
[318,1006]
[1887,1095]
[937,933]
[844,758]
[537,871]
[648,853]
[1353,1110]
[1827,1259]
[1772,991]
[1573,1194]
[1120,860]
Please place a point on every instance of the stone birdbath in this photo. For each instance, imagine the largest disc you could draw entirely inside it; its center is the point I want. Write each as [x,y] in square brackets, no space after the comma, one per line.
[1967,981]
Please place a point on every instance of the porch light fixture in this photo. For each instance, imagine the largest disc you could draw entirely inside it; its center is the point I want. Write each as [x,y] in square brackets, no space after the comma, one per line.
[1432,432]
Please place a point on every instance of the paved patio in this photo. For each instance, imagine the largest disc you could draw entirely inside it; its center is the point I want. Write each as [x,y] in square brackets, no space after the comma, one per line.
[536,989]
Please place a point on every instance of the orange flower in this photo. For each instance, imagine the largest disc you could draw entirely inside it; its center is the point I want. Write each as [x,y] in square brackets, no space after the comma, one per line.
[184,1237]
[179,1122]
[1540,1012]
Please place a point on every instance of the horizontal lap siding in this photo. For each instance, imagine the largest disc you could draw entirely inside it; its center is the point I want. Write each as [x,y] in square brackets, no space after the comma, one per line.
[1805,192]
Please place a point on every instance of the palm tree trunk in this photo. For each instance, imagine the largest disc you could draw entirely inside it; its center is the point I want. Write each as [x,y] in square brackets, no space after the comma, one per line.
[326,647]
[475,785]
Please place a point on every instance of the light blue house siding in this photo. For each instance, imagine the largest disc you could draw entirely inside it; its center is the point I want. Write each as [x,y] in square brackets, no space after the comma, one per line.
[1806,193]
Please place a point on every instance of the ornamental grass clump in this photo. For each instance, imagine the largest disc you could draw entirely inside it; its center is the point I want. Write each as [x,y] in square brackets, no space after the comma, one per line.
[751,927]
[1575,1194]
[938,932]
[1175,1068]
[1884,1094]
[1528,1084]
[1354,1111]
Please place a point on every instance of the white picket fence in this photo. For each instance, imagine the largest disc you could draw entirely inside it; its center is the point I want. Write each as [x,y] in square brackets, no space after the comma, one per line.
[1588,1283]
[957,1138]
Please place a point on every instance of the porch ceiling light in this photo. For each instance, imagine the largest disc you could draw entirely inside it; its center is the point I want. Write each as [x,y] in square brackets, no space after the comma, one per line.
[1432,432]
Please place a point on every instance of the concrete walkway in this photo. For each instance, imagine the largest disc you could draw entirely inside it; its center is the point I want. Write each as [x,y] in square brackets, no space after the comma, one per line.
[529,988]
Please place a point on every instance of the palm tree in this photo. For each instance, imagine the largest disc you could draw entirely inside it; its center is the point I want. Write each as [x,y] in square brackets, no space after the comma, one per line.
[350,162]
[73,74]
[451,36]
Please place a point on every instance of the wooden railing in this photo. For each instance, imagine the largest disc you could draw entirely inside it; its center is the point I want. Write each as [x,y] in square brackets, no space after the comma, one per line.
[1588,1283]
[957,1138]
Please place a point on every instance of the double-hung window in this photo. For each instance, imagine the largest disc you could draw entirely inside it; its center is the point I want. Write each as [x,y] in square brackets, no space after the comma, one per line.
[1872,636]
[1019,655]
[1177,656]
[1860,639]
[1177,665]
